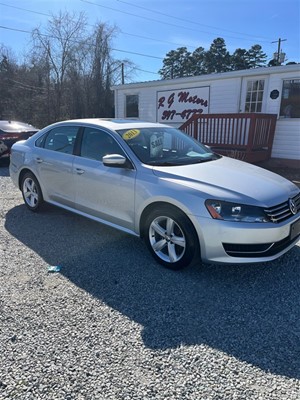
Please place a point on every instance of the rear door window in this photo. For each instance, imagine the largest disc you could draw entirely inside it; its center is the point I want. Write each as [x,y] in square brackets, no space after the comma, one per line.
[60,139]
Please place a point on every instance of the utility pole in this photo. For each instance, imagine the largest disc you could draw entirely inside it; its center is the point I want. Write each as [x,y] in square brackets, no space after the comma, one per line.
[279,51]
[123,79]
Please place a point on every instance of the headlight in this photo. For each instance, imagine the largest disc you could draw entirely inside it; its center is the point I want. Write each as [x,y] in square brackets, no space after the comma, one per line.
[235,212]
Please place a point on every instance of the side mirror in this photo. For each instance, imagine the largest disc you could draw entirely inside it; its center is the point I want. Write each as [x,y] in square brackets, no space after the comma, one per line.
[116,161]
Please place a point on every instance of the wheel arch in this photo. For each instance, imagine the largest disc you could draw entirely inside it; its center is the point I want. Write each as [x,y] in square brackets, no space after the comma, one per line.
[32,192]
[156,205]
[22,173]
[170,207]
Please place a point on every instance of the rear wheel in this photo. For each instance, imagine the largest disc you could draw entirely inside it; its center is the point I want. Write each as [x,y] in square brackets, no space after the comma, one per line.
[31,192]
[170,237]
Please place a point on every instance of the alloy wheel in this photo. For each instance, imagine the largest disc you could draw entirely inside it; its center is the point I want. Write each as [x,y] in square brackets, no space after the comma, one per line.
[30,192]
[167,239]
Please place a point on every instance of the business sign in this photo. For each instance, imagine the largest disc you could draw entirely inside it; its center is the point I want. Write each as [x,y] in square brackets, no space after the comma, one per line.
[180,105]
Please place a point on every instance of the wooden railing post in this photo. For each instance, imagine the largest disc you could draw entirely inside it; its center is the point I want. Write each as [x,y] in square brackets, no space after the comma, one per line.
[271,134]
[195,133]
[251,134]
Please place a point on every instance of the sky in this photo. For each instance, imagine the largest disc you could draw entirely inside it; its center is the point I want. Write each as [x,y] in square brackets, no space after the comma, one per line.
[148,29]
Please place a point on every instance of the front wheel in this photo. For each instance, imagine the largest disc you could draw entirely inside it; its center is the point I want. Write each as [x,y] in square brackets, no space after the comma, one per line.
[170,237]
[31,192]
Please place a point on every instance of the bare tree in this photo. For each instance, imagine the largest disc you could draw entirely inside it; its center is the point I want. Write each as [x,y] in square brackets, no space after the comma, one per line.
[67,74]
[60,45]
[8,66]
[105,70]
[101,68]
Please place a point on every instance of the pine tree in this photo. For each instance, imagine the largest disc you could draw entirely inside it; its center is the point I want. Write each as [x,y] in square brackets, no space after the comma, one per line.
[256,57]
[217,58]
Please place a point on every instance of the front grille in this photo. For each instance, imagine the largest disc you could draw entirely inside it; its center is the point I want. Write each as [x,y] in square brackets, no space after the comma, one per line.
[282,211]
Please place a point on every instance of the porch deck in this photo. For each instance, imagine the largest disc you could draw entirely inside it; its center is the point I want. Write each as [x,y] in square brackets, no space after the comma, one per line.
[244,136]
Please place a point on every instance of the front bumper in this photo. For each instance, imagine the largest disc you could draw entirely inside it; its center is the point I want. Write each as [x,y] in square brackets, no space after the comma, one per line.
[239,243]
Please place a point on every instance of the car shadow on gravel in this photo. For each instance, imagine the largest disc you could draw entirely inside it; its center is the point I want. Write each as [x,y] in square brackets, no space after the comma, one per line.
[250,312]
[4,171]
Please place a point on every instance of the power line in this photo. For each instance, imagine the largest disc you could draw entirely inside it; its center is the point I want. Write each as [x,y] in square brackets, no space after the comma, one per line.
[131,34]
[157,40]
[124,33]
[53,37]
[185,20]
[24,9]
[137,54]
[148,72]
[27,87]
[74,41]
[17,30]
[163,22]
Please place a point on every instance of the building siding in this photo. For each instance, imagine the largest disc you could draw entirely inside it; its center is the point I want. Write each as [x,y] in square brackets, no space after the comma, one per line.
[287,139]
[286,143]
[224,96]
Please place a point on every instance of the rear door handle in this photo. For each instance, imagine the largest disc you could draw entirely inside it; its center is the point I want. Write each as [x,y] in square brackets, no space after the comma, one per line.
[38,160]
[79,171]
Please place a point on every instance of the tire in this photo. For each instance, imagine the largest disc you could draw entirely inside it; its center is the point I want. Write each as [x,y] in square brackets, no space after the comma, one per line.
[31,192]
[171,238]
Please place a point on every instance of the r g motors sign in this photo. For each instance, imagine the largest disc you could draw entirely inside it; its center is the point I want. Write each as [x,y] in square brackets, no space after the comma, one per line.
[180,105]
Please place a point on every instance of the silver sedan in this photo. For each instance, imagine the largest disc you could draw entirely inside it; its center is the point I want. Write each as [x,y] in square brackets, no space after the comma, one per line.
[153,181]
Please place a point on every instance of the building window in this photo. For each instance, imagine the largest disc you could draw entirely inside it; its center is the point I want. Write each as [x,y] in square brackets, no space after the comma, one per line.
[290,99]
[132,106]
[254,96]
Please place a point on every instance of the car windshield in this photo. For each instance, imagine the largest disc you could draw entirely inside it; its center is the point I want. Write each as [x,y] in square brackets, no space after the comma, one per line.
[165,146]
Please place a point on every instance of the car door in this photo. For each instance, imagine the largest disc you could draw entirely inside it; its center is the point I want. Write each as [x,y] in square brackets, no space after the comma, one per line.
[103,192]
[54,164]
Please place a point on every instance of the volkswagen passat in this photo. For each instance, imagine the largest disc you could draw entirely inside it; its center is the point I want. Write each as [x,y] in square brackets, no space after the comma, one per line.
[153,181]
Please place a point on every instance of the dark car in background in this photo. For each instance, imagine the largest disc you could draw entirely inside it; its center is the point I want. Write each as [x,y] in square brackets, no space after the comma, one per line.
[11,132]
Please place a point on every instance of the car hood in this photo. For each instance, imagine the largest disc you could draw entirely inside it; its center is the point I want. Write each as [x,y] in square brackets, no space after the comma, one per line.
[231,180]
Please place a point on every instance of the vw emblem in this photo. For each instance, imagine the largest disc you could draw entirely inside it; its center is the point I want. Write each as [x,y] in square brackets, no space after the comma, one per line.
[293,206]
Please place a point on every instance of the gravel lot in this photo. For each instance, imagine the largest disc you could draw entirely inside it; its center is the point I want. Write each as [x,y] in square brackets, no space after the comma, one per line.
[112,324]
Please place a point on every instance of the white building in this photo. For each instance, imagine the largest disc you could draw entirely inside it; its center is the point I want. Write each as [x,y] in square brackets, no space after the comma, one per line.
[271,90]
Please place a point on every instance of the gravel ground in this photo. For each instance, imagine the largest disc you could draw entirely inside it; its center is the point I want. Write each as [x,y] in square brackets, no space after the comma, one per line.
[112,324]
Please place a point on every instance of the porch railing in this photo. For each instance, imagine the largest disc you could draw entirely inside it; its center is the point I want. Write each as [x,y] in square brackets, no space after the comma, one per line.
[246,136]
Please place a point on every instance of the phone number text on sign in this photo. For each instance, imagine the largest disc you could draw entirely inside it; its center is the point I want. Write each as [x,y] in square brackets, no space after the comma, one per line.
[180,105]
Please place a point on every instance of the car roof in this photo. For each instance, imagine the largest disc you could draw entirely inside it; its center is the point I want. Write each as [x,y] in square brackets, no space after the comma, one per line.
[114,123]
[16,126]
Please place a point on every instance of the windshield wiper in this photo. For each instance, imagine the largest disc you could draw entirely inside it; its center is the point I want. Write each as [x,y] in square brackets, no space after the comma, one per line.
[201,160]
[165,163]
[183,161]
